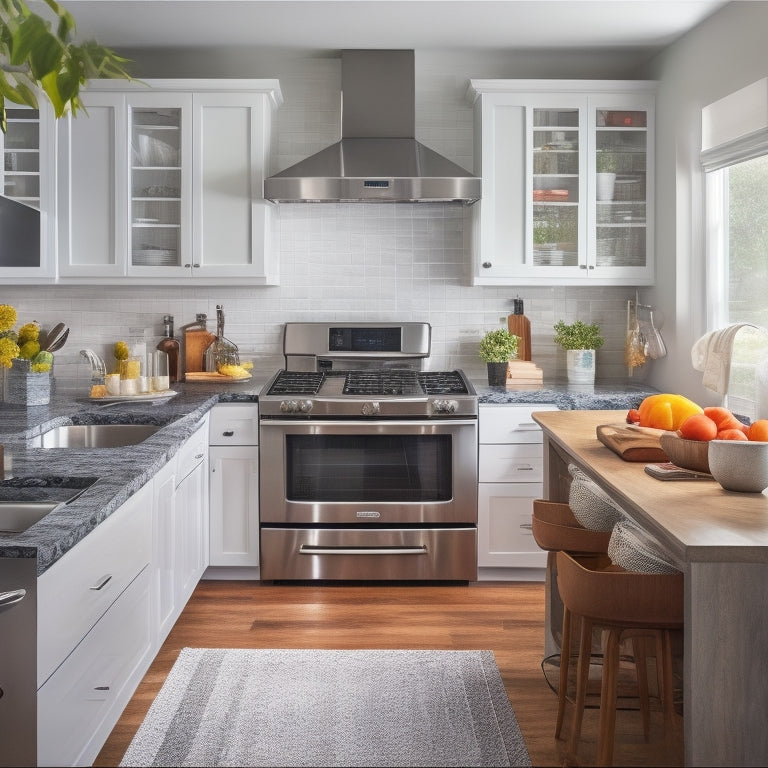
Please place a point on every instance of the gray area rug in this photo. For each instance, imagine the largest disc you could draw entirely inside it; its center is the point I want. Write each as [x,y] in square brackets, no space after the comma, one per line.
[330,708]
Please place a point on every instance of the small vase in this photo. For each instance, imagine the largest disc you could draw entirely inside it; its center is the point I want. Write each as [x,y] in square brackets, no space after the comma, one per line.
[605,185]
[24,387]
[580,366]
[497,374]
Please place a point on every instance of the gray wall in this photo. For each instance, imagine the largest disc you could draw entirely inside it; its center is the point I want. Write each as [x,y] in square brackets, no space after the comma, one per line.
[724,53]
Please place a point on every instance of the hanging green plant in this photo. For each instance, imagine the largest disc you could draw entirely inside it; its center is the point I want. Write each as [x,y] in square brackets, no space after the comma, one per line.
[34,58]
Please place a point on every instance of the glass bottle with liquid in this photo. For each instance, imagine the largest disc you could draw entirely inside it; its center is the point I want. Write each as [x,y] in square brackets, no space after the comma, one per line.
[170,346]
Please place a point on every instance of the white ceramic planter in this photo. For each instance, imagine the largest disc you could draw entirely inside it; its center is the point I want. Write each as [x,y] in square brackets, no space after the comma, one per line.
[580,366]
[605,185]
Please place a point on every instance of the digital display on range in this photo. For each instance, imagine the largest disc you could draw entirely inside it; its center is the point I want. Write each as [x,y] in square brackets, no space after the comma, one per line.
[364,340]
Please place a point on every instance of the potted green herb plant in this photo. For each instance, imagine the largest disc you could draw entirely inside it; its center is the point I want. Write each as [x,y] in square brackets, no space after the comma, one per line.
[580,342]
[497,348]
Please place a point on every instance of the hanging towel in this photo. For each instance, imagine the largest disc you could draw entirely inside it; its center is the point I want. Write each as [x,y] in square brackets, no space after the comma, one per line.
[712,355]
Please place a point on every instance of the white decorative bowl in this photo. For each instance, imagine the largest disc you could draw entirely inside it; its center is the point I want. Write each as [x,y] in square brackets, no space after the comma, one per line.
[739,465]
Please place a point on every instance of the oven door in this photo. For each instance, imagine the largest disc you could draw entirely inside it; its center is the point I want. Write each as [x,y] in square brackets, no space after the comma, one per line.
[368,473]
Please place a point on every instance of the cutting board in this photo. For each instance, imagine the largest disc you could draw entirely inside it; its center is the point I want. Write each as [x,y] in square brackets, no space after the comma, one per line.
[196,341]
[520,326]
[631,442]
[213,377]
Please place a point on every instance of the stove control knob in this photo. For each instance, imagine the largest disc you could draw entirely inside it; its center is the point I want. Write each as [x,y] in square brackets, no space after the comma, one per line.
[371,409]
[444,406]
[305,406]
[289,406]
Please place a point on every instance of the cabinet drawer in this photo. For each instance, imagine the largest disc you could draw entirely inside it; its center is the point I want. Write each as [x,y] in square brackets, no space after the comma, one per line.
[234,424]
[511,423]
[193,452]
[521,463]
[74,702]
[504,534]
[78,589]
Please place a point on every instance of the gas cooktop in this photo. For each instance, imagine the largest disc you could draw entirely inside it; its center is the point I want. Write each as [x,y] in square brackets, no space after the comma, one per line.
[384,391]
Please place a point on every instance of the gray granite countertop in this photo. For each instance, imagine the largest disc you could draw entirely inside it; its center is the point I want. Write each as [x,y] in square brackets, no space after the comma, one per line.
[567,397]
[102,479]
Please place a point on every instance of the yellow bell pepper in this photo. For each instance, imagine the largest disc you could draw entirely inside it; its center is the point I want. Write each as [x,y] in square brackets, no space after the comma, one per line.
[666,411]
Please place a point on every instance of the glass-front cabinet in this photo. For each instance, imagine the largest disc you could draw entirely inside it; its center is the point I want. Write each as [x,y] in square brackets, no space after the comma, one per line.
[165,184]
[567,186]
[28,194]
[159,195]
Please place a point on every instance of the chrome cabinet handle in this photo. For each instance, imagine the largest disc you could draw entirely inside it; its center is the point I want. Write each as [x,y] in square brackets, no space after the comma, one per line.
[7,599]
[309,549]
[228,433]
[102,582]
[526,526]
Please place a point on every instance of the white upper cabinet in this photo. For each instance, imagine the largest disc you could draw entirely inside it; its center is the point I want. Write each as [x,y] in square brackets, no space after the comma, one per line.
[164,183]
[567,170]
[27,216]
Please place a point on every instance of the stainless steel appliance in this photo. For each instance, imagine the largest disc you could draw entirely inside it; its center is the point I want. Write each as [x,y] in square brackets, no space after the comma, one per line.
[378,159]
[368,463]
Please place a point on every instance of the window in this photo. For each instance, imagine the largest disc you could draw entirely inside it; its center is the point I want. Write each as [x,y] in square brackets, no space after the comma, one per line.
[735,159]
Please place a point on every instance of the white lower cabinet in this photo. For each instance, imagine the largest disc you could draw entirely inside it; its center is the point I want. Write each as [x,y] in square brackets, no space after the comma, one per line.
[80,704]
[234,485]
[191,516]
[105,608]
[94,634]
[510,474]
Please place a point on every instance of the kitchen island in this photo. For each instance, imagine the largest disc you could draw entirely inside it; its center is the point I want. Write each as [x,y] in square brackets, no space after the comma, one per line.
[719,539]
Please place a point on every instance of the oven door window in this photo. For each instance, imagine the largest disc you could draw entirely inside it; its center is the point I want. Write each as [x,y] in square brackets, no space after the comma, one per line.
[380,468]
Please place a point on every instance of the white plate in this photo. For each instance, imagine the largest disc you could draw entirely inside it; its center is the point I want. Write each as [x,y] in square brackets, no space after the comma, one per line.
[165,395]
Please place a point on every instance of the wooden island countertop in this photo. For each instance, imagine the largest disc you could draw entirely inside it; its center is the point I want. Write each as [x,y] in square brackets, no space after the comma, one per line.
[719,539]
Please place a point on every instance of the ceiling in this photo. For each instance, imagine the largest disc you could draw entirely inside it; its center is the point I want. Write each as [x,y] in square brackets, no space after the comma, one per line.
[332,25]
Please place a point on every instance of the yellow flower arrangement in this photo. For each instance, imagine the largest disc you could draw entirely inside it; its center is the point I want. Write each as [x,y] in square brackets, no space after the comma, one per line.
[23,344]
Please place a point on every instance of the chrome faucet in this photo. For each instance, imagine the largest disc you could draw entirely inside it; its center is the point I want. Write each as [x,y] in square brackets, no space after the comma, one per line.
[98,368]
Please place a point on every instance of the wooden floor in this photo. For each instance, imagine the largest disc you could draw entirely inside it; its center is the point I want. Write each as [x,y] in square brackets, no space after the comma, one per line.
[506,618]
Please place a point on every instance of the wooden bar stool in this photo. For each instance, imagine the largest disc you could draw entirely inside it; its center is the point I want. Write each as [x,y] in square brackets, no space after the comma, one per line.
[624,603]
[556,529]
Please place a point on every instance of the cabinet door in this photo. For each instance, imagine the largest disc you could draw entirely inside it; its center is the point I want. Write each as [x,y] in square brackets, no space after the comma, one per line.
[27,220]
[191,530]
[231,135]
[160,161]
[92,189]
[234,495]
[163,553]
[504,535]
[621,213]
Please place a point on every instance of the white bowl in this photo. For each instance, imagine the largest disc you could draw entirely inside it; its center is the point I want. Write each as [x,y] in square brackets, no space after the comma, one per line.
[739,465]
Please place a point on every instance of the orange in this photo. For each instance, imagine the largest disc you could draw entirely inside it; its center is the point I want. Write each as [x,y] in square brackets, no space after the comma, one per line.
[731,434]
[698,427]
[758,431]
[723,418]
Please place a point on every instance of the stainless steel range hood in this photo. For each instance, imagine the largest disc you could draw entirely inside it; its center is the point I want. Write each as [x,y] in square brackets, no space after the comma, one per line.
[378,159]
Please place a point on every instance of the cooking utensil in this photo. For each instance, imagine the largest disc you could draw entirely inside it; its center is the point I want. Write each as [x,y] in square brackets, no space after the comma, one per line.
[45,339]
[58,342]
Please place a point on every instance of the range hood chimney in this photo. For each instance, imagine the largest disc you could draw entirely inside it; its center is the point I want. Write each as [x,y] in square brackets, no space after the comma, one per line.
[378,159]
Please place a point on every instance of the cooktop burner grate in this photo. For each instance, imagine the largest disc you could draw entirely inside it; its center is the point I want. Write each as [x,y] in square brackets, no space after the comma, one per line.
[297,383]
[442,383]
[388,382]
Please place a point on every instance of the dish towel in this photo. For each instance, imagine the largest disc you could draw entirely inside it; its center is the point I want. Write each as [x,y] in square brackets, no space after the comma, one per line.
[712,355]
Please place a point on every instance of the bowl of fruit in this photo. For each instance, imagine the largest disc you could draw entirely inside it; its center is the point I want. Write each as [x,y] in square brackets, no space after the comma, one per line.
[690,445]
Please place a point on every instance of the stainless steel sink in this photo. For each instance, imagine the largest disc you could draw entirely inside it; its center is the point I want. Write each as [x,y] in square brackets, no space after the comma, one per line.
[95,436]
[17,516]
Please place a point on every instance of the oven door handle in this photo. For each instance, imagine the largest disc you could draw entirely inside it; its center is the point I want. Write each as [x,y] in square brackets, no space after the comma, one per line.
[311,549]
[317,424]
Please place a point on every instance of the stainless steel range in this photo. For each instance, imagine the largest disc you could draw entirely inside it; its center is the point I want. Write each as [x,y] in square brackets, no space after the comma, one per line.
[368,466]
